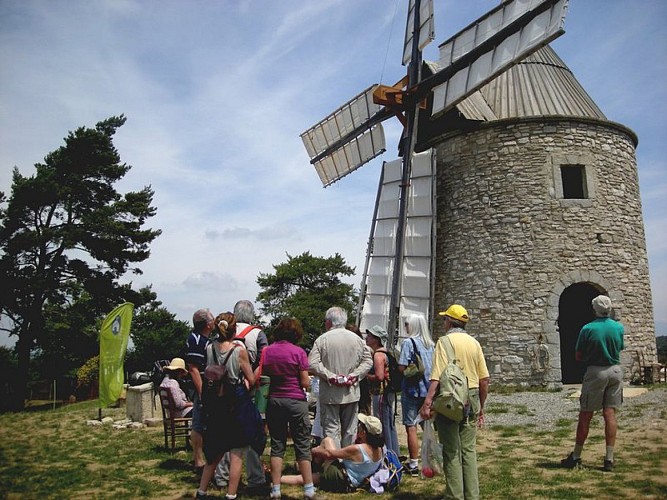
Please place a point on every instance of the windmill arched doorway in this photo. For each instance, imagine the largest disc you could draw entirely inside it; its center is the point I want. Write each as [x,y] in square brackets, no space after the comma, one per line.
[574,311]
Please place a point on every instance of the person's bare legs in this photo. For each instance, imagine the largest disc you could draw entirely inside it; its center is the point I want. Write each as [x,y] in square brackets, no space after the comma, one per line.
[277,469]
[413,441]
[328,444]
[610,426]
[235,468]
[583,425]
[197,449]
[305,467]
[207,474]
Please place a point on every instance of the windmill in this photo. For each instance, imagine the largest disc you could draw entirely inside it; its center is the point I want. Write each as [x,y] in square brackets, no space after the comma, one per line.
[352,135]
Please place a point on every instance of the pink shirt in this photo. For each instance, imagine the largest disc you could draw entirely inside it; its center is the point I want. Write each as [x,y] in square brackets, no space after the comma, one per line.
[282,362]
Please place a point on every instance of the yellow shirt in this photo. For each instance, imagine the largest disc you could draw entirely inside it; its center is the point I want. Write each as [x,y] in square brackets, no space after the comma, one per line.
[469,354]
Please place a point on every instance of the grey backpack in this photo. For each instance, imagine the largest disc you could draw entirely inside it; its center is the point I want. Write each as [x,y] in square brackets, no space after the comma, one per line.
[453,397]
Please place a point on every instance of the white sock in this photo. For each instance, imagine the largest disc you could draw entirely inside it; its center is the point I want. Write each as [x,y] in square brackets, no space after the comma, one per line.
[413,463]
[610,454]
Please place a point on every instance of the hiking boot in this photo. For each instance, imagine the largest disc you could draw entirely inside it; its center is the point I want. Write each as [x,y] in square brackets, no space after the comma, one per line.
[570,462]
[608,465]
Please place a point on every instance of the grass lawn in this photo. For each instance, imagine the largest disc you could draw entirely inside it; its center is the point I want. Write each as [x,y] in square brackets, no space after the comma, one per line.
[54,454]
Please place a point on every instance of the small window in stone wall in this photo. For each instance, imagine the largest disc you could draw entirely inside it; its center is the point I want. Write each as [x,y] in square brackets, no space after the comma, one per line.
[574,182]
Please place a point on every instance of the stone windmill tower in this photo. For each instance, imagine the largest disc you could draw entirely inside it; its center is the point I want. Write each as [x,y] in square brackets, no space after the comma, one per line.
[524,197]
[538,211]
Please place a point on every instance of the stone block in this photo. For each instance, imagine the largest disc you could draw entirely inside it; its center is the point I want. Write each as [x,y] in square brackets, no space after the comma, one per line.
[142,404]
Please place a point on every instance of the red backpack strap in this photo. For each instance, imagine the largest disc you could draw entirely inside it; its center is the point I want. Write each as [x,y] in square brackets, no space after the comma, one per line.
[245,331]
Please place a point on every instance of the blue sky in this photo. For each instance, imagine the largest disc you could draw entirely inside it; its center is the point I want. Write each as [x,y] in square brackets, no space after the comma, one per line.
[216,94]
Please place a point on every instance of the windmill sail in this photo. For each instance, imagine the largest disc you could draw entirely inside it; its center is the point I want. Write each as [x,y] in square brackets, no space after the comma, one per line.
[426,28]
[418,241]
[346,139]
[491,45]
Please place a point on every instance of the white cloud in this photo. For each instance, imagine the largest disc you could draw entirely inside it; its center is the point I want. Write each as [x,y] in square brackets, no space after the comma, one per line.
[217,93]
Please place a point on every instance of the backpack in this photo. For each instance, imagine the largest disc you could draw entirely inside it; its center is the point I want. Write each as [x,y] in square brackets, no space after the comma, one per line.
[395,382]
[157,373]
[241,336]
[388,476]
[452,400]
[415,369]
[216,381]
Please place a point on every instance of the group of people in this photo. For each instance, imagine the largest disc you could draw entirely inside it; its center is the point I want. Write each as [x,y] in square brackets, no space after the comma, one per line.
[341,359]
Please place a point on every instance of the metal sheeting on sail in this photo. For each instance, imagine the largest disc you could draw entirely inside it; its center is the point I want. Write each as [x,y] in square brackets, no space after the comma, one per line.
[426,28]
[356,150]
[492,44]
[415,282]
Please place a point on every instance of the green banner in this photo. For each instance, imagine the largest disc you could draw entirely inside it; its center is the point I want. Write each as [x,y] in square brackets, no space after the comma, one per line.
[114,335]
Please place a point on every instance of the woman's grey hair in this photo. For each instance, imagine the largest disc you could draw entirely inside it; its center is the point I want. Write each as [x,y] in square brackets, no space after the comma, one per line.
[244,311]
[337,316]
[417,327]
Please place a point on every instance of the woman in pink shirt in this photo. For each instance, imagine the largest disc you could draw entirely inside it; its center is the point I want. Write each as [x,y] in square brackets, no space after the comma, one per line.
[287,365]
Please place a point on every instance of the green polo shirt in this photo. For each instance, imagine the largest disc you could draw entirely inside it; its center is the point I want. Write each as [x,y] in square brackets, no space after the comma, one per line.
[600,342]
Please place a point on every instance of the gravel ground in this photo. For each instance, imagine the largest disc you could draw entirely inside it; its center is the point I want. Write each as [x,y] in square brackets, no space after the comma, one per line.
[544,409]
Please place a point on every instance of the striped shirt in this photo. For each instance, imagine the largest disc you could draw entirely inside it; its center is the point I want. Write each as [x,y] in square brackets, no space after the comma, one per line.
[195,350]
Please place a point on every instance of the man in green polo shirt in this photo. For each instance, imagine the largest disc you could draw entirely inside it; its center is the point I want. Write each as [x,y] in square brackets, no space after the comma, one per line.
[599,347]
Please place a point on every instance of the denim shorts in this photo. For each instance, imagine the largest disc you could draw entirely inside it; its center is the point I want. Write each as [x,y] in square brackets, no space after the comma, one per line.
[197,415]
[410,406]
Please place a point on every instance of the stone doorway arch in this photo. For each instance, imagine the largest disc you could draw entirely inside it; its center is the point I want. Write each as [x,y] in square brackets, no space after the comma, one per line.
[574,311]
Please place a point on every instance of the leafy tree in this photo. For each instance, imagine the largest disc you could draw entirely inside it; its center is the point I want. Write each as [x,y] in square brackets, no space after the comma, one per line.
[64,229]
[156,334]
[304,287]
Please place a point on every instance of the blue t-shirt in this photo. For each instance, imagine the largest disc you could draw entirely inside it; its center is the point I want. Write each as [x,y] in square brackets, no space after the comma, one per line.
[600,342]
[195,350]
[419,389]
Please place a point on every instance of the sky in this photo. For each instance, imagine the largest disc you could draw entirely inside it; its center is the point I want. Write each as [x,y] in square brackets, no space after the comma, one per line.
[216,94]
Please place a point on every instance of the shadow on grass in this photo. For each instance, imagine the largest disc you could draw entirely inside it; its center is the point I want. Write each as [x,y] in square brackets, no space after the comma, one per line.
[550,465]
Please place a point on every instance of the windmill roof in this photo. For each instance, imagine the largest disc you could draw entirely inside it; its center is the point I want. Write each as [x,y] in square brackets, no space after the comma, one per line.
[540,85]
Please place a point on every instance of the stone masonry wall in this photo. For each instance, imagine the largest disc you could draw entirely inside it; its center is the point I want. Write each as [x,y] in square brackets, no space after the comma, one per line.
[508,243]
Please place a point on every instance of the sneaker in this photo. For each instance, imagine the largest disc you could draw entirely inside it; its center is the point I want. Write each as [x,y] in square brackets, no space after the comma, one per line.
[570,462]
[275,496]
[200,496]
[412,471]
[608,466]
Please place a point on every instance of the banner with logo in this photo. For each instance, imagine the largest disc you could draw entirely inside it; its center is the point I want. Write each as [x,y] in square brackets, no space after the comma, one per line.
[114,335]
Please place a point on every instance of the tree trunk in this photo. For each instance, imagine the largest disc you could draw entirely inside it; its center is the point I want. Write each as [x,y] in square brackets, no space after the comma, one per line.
[23,348]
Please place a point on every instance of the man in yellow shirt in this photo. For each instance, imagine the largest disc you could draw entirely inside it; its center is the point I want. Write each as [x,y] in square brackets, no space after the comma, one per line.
[459,439]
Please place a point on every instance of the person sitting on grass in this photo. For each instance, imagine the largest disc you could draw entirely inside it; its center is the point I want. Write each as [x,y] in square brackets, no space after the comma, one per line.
[345,469]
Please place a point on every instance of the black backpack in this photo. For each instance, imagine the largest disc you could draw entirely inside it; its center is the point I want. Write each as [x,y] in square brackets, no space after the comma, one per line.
[395,382]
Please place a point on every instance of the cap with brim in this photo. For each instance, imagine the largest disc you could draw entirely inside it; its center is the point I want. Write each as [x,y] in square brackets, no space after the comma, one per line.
[602,305]
[379,332]
[456,312]
[372,424]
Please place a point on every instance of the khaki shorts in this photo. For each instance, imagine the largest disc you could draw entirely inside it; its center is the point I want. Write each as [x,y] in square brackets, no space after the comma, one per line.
[602,388]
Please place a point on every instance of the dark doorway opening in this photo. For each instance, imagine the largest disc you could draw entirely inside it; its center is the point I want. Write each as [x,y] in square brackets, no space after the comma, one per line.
[574,311]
